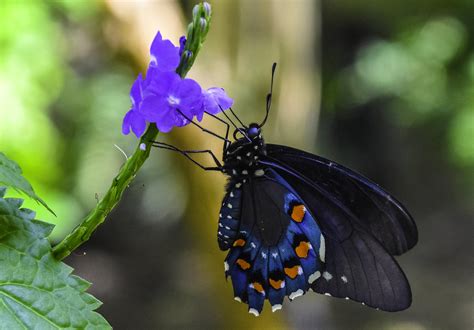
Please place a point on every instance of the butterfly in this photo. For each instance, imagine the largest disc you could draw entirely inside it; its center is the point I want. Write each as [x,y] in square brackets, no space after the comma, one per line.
[293,222]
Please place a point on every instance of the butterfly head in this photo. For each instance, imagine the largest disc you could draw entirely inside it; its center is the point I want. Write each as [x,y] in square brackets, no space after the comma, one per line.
[253,131]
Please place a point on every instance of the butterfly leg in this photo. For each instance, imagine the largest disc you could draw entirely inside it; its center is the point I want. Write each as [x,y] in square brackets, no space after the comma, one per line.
[186,153]
[226,142]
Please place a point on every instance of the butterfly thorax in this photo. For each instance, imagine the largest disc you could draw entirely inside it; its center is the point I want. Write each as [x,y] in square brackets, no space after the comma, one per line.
[241,158]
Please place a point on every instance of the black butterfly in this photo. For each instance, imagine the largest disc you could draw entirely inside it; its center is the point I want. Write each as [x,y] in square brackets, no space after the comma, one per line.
[293,221]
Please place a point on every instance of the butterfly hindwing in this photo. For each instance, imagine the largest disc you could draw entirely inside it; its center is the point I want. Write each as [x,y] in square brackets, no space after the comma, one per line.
[275,251]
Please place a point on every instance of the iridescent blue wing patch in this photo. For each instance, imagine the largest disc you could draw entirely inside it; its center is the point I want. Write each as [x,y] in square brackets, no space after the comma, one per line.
[276,250]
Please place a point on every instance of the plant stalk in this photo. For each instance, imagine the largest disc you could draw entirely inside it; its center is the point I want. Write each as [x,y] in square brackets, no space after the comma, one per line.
[197,31]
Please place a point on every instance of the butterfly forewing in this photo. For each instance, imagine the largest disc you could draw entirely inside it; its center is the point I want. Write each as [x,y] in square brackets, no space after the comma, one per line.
[379,213]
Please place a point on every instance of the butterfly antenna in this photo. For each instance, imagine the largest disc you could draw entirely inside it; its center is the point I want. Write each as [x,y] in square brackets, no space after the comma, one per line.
[238,119]
[233,124]
[269,96]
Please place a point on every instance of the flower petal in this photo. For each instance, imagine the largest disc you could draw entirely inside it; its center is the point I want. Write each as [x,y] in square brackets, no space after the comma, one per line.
[167,120]
[154,108]
[164,55]
[126,123]
[216,98]
[189,93]
[136,92]
[163,83]
[138,123]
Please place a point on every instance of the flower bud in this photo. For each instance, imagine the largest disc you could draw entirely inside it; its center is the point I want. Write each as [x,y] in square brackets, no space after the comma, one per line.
[187,54]
[202,24]
[190,30]
[207,9]
[182,44]
[195,10]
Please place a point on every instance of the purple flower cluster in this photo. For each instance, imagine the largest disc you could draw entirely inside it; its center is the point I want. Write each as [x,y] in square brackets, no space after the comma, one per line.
[166,99]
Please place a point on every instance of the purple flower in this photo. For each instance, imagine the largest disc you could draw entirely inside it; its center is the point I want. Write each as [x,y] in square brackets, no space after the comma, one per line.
[164,98]
[164,55]
[216,100]
[134,118]
[168,95]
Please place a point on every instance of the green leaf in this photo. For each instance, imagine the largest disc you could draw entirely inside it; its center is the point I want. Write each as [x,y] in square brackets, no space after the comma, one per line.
[11,176]
[36,290]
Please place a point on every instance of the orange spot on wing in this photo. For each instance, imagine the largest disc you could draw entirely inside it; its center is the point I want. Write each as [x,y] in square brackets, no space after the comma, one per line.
[297,213]
[239,242]
[292,272]
[302,249]
[243,264]
[258,287]
[276,284]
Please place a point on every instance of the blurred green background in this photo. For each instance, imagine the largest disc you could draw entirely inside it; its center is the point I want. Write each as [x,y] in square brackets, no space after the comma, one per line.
[386,88]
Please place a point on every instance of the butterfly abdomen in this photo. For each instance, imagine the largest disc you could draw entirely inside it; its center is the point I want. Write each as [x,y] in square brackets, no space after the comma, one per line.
[229,218]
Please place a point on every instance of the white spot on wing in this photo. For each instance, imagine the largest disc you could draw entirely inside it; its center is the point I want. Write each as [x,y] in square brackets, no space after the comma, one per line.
[239,158]
[238,185]
[238,299]
[259,172]
[322,248]
[226,266]
[245,172]
[253,245]
[327,276]
[276,307]
[229,217]
[231,194]
[229,205]
[227,227]
[254,311]
[248,154]
[264,255]
[255,147]
[313,277]
[296,294]
[275,255]
[344,278]
[328,294]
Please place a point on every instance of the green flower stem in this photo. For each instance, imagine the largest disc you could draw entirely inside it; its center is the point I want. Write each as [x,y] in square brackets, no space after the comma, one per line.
[197,31]
[129,170]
